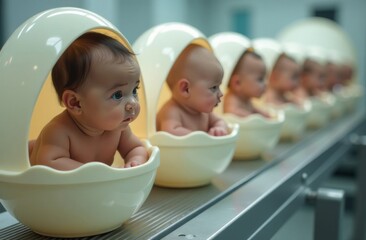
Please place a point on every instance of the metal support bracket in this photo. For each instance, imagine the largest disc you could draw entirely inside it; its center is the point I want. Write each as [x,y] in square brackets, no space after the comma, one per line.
[329,210]
[359,231]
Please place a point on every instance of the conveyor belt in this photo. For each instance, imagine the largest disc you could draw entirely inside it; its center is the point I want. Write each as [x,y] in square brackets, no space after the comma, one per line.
[170,208]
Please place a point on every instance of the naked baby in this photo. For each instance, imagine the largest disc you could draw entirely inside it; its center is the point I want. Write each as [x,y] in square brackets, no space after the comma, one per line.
[245,84]
[96,80]
[194,81]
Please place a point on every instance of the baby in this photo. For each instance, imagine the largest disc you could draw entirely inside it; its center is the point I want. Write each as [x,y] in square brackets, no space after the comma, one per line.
[283,80]
[96,79]
[333,76]
[246,82]
[194,81]
[312,78]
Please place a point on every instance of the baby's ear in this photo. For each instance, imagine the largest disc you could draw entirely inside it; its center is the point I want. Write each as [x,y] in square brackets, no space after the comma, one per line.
[183,87]
[234,81]
[71,101]
[273,77]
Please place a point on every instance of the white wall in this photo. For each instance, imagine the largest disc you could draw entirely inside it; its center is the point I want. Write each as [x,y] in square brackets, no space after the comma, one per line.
[124,14]
[133,17]
[353,22]
[15,12]
[168,11]
[270,17]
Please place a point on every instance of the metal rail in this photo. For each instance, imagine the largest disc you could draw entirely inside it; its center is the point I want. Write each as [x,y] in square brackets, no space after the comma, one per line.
[250,200]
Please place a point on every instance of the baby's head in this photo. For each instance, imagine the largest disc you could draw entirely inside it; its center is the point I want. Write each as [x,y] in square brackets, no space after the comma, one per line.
[285,74]
[347,72]
[195,79]
[96,79]
[312,76]
[247,79]
[73,67]
[333,75]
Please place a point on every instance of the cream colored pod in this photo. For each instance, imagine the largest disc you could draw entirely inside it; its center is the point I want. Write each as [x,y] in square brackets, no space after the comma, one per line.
[323,104]
[186,161]
[298,115]
[296,52]
[319,32]
[257,134]
[295,117]
[339,92]
[89,200]
[328,35]
[320,112]
[350,92]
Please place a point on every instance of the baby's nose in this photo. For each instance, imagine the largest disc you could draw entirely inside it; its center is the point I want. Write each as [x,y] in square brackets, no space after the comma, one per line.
[131,104]
[220,93]
[262,88]
[129,107]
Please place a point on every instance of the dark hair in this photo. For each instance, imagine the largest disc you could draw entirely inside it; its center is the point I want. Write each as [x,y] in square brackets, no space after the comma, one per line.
[250,52]
[72,68]
[283,56]
[307,66]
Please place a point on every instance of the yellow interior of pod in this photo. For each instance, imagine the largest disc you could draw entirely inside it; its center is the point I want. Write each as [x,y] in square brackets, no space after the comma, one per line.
[47,105]
[165,92]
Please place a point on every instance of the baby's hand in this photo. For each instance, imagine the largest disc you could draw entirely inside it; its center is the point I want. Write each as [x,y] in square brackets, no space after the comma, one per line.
[218,131]
[135,162]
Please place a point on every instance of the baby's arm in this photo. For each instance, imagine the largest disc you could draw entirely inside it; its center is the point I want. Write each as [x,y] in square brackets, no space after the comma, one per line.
[218,126]
[261,112]
[52,149]
[298,97]
[238,111]
[131,149]
[174,127]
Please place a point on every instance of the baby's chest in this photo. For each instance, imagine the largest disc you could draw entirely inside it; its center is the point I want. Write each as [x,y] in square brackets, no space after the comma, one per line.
[196,123]
[94,150]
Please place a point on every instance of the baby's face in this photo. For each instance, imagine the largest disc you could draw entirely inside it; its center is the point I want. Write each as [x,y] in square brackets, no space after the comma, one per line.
[251,77]
[286,74]
[347,74]
[314,78]
[205,86]
[333,75]
[109,98]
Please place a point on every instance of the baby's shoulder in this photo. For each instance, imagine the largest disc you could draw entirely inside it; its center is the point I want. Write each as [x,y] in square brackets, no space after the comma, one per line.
[170,108]
[58,126]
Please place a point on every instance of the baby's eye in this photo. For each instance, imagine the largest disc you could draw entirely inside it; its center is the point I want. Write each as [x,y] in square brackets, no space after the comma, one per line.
[117,95]
[134,92]
[214,88]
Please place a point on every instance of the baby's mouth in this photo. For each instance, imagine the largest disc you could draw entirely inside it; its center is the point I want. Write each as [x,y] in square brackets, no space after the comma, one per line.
[218,102]
[129,119]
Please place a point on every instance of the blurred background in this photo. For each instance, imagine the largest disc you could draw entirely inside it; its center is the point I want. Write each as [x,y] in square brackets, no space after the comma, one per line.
[253,18]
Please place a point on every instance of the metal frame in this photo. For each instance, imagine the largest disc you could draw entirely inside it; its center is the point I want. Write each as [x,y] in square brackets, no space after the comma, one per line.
[260,207]
[360,211]
[329,210]
[251,200]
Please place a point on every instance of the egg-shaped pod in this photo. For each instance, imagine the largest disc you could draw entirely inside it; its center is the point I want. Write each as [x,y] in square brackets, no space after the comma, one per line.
[194,159]
[257,133]
[91,199]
